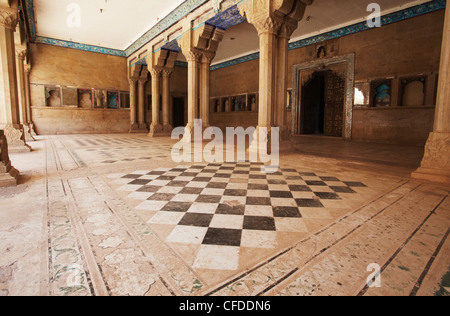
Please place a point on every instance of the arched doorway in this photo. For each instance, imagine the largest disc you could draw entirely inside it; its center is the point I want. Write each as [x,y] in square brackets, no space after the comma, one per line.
[323,97]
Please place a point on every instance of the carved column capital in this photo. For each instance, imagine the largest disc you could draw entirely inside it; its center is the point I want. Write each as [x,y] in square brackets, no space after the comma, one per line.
[268,16]
[132,81]
[207,58]
[166,73]
[8,18]
[193,56]
[21,53]
[287,28]
[271,25]
[142,81]
[155,72]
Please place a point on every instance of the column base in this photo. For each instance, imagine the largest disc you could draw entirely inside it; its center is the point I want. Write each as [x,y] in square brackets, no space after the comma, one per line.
[436,162]
[262,135]
[138,129]
[432,175]
[9,178]
[14,134]
[8,175]
[157,130]
[188,136]
[32,130]
[28,134]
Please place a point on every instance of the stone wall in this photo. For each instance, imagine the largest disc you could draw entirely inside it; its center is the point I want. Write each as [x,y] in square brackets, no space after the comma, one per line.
[393,125]
[403,49]
[69,70]
[54,121]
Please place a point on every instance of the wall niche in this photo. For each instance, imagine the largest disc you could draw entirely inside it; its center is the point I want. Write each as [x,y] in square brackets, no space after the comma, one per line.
[381,93]
[52,96]
[85,98]
[412,91]
[236,103]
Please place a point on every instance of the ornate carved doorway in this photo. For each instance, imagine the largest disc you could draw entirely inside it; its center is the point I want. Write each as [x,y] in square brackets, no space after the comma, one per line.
[323,97]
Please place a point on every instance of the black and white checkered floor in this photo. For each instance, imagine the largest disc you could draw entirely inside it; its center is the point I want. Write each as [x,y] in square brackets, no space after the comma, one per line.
[223,207]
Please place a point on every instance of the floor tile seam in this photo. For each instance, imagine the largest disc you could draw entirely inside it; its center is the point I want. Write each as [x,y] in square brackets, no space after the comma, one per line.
[407,241]
[285,251]
[133,236]
[100,285]
[320,254]
[163,272]
[52,161]
[70,232]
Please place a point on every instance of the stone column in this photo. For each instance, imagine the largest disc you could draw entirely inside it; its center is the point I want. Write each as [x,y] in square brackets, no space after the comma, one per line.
[205,66]
[141,105]
[287,28]
[436,162]
[269,17]
[156,128]
[9,97]
[193,92]
[8,175]
[21,53]
[167,127]
[134,126]
[199,46]
[267,31]
[30,123]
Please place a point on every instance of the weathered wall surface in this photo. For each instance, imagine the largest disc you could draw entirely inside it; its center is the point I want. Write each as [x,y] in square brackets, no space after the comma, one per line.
[54,121]
[393,125]
[53,65]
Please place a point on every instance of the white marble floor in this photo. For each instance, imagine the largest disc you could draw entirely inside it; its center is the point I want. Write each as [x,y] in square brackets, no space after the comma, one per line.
[114,215]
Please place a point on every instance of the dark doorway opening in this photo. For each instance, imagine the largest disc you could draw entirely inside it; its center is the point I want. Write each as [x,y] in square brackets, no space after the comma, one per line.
[178,112]
[313,109]
[322,104]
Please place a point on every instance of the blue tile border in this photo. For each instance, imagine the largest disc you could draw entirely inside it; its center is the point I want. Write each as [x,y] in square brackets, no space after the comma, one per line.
[385,20]
[79,46]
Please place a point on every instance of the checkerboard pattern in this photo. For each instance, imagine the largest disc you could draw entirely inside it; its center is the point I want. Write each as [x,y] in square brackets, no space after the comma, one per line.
[225,206]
